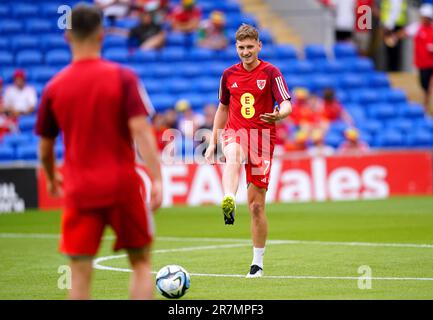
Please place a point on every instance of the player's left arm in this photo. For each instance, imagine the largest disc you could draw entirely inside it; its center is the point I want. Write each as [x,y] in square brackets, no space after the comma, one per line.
[281,94]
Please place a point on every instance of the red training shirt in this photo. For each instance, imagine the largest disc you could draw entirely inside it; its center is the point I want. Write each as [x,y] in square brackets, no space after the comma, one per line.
[250,94]
[90,101]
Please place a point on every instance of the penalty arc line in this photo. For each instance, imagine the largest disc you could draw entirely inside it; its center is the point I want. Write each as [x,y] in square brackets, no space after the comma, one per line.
[97,265]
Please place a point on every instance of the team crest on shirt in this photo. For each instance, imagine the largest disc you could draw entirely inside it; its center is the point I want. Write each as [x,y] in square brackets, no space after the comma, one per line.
[261,84]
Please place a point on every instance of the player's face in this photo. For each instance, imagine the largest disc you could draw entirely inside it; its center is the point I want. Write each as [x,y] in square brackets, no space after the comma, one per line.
[248,50]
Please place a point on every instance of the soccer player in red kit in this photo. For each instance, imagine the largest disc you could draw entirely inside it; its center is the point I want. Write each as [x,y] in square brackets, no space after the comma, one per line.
[101,110]
[246,116]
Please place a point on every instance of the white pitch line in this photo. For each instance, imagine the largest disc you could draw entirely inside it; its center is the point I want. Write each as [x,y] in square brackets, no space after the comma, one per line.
[97,265]
[246,241]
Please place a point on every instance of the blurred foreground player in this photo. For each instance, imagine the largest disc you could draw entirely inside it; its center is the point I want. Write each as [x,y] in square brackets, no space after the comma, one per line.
[100,110]
[248,93]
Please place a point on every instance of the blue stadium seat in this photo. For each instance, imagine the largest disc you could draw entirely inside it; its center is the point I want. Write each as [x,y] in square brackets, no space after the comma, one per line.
[410,110]
[394,96]
[381,111]
[163,102]
[127,23]
[371,126]
[141,56]
[229,55]
[330,67]
[401,124]
[15,139]
[27,123]
[297,82]
[7,153]
[390,139]
[59,151]
[57,57]
[6,58]
[172,54]
[178,85]
[10,27]
[323,81]
[21,42]
[114,41]
[300,67]
[191,70]
[351,81]
[27,152]
[49,9]
[214,70]
[199,54]
[197,100]
[285,51]
[4,44]
[268,53]
[7,73]
[425,123]
[40,26]
[175,39]
[4,11]
[26,58]
[364,96]
[120,55]
[377,80]
[155,87]
[420,138]
[315,52]
[24,10]
[333,139]
[162,70]
[53,41]
[345,50]
[360,65]
[42,74]
[266,37]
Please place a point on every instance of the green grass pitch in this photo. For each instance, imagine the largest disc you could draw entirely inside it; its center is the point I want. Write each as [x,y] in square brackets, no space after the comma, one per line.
[394,238]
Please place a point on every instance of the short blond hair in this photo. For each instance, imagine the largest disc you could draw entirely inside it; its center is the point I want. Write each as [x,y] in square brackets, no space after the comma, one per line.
[247,31]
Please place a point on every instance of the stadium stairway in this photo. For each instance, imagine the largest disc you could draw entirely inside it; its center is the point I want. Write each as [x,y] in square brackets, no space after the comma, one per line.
[270,20]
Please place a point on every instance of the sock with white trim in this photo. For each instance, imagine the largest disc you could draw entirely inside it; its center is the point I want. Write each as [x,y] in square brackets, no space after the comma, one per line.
[258,254]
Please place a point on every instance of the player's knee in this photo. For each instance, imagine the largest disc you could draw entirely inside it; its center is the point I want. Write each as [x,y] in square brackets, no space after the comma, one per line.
[139,256]
[256,209]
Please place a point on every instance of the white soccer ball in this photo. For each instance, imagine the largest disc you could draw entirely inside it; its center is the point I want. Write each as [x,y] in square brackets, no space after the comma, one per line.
[172,281]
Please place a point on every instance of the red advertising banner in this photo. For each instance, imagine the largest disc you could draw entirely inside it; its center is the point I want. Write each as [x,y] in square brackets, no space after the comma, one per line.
[373,176]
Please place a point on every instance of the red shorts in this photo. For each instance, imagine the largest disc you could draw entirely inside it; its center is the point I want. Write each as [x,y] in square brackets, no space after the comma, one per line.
[82,229]
[258,163]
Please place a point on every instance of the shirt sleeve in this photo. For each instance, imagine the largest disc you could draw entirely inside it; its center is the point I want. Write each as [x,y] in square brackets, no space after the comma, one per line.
[224,93]
[280,90]
[135,97]
[412,29]
[32,97]
[46,123]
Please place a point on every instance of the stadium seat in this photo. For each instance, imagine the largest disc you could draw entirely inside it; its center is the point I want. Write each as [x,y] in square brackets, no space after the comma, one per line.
[40,26]
[4,44]
[345,50]
[315,52]
[420,138]
[10,27]
[26,58]
[24,10]
[140,56]
[364,96]
[268,53]
[199,54]
[330,67]
[59,151]
[127,23]
[410,110]
[333,139]
[6,58]
[425,123]
[172,54]
[351,81]
[266,37]
[323,81]
[390,139]
[297,82]
[178,85]
[400,124]
[22,42]
[381,111]
[229,55]
[377,80]
[371,126]
[356,111]
[300,67]
[359,65]
[175,39]
[154,87]
[196,100]
[49,9]
[7,153]
[285,51]
[4,11]
[15,139]
[191,70]
[206,85]
[57,57]
[27,123]
[27,152]
[114,41]
[214,70]
[42,74]
[163,102]
[53,41]
[162,70]
[394,96]
[120,55]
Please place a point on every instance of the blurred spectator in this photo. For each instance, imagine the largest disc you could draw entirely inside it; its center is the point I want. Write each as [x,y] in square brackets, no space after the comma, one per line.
[330,110]
[114,9]
[160,7]
[159,126]
[19,98]
[319,148]
[209,112]
[352,144]
[393,18]
[148,34]
[185,17]
[422,32]
[344,11]
[303,115]
[211,32]
[171,120]
[189,121]
[6,125]
[299,142]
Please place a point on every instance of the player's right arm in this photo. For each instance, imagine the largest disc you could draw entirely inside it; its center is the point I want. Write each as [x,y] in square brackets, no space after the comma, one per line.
[143,135]
[219,123]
